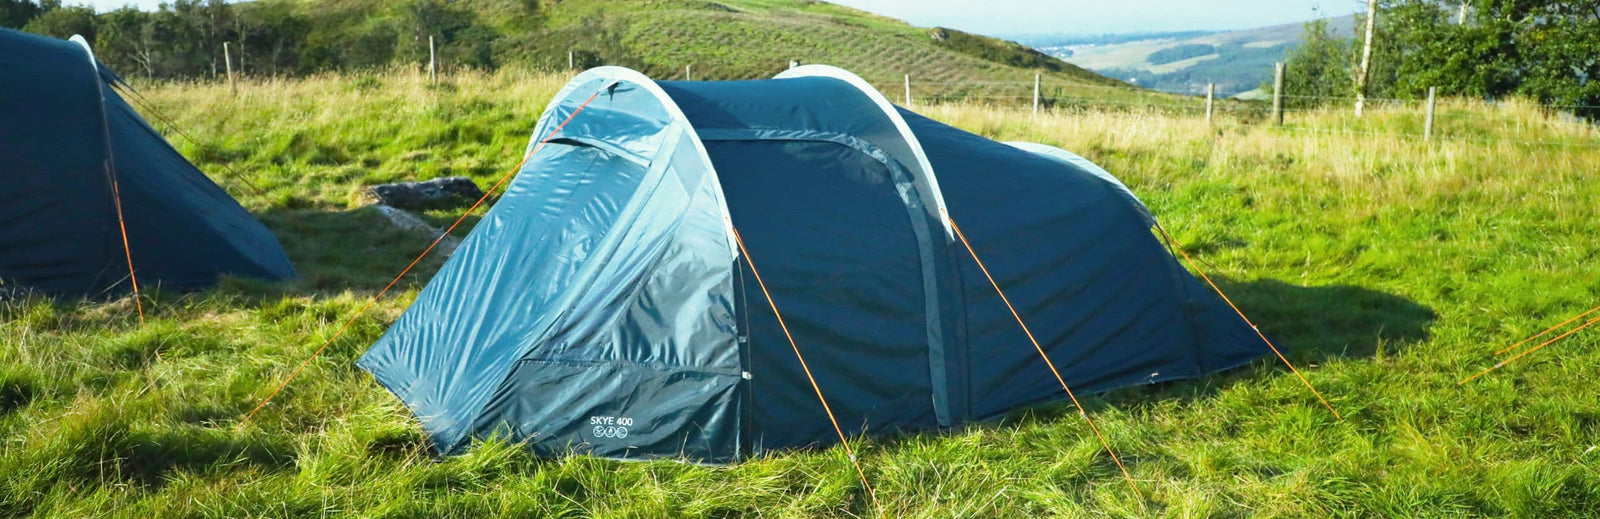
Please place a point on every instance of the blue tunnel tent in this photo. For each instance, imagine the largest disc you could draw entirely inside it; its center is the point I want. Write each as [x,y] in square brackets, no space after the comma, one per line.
[61,123]
[603,305]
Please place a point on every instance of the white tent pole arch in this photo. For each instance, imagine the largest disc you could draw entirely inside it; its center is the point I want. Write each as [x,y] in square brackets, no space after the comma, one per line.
[613,75]
[918,163]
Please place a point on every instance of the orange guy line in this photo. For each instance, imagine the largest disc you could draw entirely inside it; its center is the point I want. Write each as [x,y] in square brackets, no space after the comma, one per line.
[1081,411]
[814,387]
[1247,321]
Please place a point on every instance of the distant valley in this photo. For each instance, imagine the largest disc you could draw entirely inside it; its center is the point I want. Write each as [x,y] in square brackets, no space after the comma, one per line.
[1184,62]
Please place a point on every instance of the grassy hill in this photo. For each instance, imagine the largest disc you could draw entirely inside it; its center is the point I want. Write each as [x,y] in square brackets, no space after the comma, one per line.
[1389,268]
[757,38]
[751,39]
[725,39]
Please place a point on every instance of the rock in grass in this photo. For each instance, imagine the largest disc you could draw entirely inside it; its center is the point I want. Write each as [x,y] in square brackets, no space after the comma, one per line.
[410,222]
[439,193]
[393,201]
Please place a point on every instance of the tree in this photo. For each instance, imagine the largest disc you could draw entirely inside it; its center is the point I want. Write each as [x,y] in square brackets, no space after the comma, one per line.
[274,30]
[1542,49]
[192,45]
[1430,49]
[1560,64]
[15,14]
[63,22]
[458,36]
[1319,67]
[127,45]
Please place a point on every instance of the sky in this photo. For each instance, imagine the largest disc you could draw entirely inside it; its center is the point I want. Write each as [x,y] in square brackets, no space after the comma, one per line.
[1017,17]
[1020,17]
[107,5]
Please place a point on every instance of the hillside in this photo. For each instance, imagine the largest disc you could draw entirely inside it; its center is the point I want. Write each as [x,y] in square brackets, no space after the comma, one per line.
[1237,61]
[1387,267]
[736,39]
[724,39]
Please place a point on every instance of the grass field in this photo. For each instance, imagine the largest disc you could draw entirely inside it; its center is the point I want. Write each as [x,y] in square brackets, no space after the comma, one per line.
[1390,268]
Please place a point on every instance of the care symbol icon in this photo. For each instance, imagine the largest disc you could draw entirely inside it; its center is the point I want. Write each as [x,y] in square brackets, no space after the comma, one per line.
[604,431]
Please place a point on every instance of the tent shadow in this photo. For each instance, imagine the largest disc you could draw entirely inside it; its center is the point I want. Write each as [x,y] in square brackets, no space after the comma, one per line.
[1313,324]
[1310,324]
[334,252]
[338,251]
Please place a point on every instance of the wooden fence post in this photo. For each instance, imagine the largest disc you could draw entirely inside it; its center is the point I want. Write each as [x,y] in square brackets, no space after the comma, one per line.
[1211,92]
[1277,92]
[227,60]
[433,62]
[1036,79]
[1427,125]
[571,61]
[908,90]
[688,72]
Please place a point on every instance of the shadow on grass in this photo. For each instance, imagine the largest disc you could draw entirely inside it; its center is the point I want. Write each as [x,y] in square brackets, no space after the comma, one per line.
[150,457]
[337,251]
[16,391]
[1314,324]
[123,444]
[356,249]
[333,251]
[1310,324]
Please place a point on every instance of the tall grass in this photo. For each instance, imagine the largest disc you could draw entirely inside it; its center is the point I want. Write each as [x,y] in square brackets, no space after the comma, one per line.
[1389,267]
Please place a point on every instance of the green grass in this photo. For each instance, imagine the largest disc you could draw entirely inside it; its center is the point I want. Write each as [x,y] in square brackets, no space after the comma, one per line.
[1390,269]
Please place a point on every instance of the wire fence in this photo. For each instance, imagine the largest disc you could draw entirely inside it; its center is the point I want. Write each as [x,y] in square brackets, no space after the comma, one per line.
[1516,122]
[1451,119]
